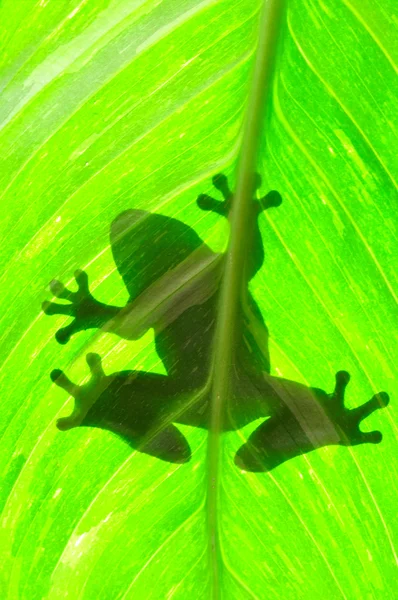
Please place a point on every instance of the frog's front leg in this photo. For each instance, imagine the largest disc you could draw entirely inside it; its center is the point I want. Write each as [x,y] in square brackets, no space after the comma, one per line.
[206,202]
[316,420]
[255,250]
[86,311]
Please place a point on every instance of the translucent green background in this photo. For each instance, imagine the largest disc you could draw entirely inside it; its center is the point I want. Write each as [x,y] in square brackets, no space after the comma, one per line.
[115,104]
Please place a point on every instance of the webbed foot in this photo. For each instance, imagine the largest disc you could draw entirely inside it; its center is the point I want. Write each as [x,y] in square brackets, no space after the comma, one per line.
[220,182]
[85,395]
[84,309]
[205,202]
[124,404]
[348,421]
[325,421]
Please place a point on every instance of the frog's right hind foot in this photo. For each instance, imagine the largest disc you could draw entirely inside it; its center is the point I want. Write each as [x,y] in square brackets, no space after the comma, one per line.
[120,404]
[85,395]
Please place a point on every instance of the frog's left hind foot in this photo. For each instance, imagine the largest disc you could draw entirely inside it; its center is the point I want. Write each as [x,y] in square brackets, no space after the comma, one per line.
[282,437]
[348,421]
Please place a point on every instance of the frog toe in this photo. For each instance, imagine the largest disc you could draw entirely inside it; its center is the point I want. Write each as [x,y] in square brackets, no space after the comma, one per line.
[81,278]
[220,181]
[52,308]
[64,334]
[61,380]
[94,362]
[367,437]
[380,400]
[60,291]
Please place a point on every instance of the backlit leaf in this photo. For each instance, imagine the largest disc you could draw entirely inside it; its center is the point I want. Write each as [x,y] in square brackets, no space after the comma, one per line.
[115,105]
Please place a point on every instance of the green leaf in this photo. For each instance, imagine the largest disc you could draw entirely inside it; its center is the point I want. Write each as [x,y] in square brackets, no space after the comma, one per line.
[121,105]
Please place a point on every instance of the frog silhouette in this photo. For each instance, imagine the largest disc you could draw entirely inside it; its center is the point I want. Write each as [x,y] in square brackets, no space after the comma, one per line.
[173,281]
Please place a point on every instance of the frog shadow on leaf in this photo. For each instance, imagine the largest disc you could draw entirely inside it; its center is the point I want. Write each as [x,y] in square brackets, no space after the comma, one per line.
[173,278]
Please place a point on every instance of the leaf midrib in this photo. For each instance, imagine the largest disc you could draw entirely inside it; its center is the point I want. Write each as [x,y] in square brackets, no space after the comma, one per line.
[231,284]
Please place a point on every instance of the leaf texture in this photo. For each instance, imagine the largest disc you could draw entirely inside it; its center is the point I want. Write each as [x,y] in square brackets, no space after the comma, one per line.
[119,105]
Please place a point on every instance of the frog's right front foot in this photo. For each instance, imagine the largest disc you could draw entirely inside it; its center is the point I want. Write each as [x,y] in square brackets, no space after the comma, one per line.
[86,311]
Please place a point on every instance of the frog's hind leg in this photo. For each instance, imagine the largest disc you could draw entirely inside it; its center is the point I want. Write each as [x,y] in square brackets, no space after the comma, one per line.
[134,405]
[268,446]
[169,444]
[348,421]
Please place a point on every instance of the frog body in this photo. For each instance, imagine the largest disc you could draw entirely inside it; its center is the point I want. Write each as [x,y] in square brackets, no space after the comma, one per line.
[173,280]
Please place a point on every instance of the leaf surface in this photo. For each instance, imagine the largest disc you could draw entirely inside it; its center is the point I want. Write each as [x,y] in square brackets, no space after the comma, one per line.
[117,105]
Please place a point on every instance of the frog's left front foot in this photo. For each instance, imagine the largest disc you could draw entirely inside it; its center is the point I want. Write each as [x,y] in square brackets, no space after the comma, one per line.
[348,421]
[206,202]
